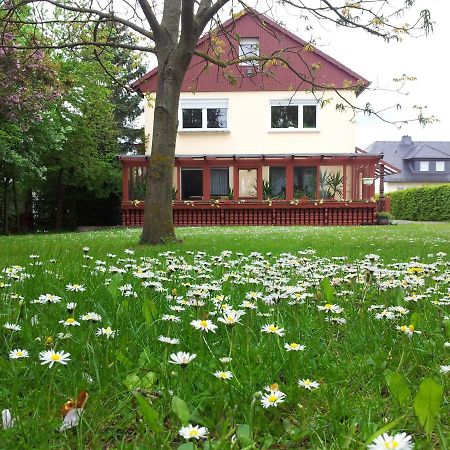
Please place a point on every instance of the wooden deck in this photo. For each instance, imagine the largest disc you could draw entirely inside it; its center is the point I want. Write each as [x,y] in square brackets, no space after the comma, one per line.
[280,213]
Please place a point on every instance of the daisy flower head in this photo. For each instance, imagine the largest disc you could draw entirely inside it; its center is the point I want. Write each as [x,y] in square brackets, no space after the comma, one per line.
[70,322]
[182,358]
[294,347]
[223,375]
[108,332]
[273,329]
[445,369]
[7,419]
[193,432]
[408,330]
[18,354]
[91,317]
[225,359]
[329,307]
[71,306]
[170,318]
[51,357]
[204,325]
[308,384]
[401,441]
[13,327]
[272,399]
[168,340]
[75,287]
[231,317]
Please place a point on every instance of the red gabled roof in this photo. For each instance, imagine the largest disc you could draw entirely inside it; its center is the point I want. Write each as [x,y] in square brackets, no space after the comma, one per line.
[272,38]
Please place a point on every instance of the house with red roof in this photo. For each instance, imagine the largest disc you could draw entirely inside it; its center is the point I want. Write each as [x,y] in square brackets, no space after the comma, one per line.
[267,140]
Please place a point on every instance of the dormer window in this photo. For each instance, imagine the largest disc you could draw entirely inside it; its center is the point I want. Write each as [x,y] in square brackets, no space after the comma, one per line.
[424,166]
[248,47]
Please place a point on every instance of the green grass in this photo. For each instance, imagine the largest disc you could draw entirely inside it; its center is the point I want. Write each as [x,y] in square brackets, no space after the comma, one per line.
[132,385]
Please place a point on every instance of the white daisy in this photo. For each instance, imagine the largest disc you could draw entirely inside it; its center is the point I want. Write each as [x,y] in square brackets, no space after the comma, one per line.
[272,399]
[445,369]
[231,317]
[71,306]
[7,419]
[170,318]
[193,432]
[18,354]
[308,384]
[182,358]
[329,307]
[51,357]
[12,327]
[401,441]
[273,329]
[294,347]
[91,316]
[108,332]
[223,375]
[168,340]
[70,322]
[225,359]
[204,325]
[75,287]
[408,330]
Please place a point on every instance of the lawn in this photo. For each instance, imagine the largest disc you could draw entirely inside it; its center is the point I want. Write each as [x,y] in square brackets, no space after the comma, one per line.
[304,338]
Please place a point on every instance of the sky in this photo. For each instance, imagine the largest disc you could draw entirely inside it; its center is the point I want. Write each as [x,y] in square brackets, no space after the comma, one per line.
[426,57]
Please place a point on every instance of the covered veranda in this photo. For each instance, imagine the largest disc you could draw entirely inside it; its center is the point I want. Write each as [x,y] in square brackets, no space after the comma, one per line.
[328,189]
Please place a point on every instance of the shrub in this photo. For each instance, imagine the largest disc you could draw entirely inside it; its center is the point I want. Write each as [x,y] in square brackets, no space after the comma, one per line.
[424,203]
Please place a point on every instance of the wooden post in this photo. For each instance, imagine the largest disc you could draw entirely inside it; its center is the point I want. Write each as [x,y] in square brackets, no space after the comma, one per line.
[206,182]
[235,182]
[290,179]
[344,184]
[125,173]
[382,198]
[178,197]
[259,183]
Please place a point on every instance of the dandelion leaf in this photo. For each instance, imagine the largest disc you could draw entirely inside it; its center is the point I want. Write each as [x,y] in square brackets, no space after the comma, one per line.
[148,413]
[327,290]
[181,410]
[398,385]
[243,435]
[427,403]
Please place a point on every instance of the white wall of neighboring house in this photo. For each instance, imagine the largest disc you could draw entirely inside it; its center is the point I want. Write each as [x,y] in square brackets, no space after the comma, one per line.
[249,127]
[392,187]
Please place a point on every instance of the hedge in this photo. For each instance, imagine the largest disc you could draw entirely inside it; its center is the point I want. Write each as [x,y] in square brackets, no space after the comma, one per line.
[424,203]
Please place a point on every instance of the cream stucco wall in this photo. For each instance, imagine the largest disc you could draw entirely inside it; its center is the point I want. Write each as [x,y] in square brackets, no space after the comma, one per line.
[249,127]
[392,187]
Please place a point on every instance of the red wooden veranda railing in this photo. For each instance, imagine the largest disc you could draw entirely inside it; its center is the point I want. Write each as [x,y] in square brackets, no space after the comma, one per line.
[260,213]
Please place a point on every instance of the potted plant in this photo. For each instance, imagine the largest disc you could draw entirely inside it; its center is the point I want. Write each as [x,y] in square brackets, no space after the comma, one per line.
[384,218]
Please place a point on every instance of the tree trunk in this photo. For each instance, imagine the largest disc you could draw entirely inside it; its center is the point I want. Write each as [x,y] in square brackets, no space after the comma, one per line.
[158,219]
[59,201]
[16,206]
[5,207]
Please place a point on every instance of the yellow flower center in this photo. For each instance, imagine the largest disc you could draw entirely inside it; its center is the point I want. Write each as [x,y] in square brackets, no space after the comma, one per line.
[203,323]
[55,357]
[293,345]
[308,382]
[411,327]
[328,305]
[272,398]
[222,375]
[70,320]
[230,319]
[403,328]
[19,353]
[193,433]
[273,328]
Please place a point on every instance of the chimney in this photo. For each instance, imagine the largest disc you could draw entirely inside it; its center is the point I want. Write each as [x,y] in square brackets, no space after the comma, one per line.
[406,140]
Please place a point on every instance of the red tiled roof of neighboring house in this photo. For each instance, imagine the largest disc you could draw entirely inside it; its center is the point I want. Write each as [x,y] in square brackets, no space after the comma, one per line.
[272,38]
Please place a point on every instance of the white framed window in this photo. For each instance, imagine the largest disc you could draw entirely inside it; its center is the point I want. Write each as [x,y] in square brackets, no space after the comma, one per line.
[248,47]
[424,166]
[293,115]
[440,166]
[203,115]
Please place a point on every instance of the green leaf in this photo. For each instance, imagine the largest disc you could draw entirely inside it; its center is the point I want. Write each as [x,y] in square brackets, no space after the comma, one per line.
[113,286]
[327,290]
[180,408]
[384,429]
[131,381]
[148,380]
[149,414]
[150,312]
[416,319]
[144,357]
[243,435]
[427,403]
[398,385]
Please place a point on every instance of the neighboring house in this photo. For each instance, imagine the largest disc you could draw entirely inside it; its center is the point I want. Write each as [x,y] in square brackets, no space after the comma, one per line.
[420,163]
[256,137]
